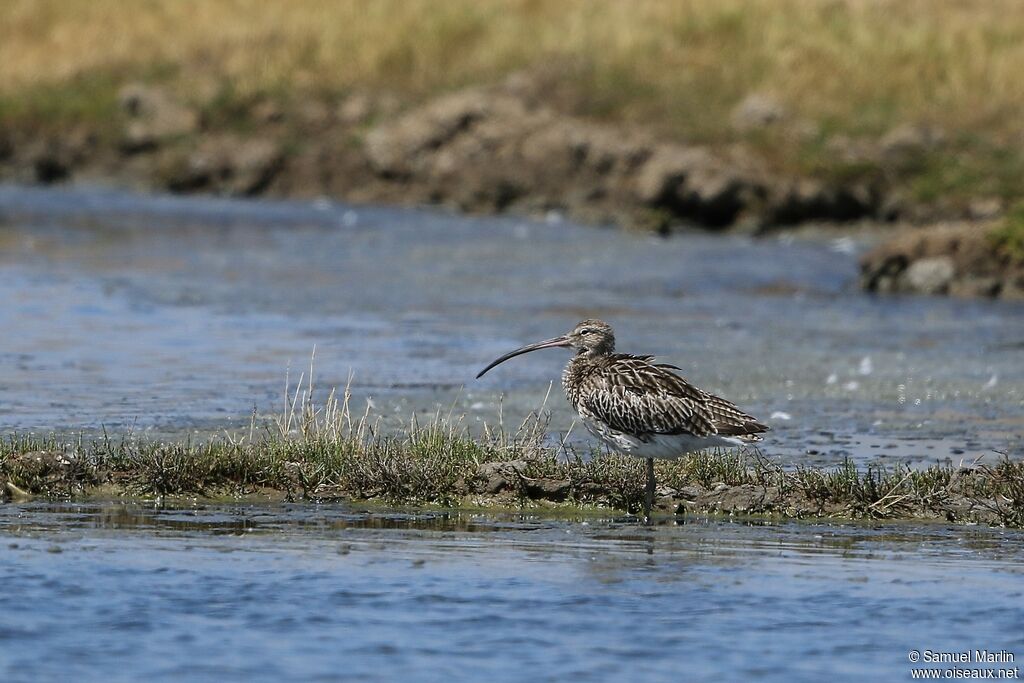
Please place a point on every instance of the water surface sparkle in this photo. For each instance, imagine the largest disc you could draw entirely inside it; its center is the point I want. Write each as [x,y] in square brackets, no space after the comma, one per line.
[113,592]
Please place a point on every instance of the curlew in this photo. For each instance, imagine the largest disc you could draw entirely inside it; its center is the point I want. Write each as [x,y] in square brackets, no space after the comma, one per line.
[639,407]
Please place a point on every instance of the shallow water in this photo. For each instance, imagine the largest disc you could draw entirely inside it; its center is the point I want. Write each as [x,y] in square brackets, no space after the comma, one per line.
[168,314]
[165,315]
[230,593]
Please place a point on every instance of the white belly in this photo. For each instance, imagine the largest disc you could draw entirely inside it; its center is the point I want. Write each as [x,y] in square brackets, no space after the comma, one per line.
[662,446]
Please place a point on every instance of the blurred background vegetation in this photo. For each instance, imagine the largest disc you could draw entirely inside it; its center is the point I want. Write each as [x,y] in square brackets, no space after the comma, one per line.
[839,67]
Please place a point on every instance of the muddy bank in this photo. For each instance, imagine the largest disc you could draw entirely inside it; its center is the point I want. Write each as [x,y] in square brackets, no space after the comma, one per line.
[766,491]
[487,150]
[504,149]
[962,259]
[451,471]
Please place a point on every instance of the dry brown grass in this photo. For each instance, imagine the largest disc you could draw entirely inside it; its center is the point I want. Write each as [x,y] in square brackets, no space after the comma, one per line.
[840,67]
[855,64]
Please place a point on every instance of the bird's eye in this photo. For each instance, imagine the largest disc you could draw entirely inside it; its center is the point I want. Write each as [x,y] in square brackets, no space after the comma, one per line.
[586,330]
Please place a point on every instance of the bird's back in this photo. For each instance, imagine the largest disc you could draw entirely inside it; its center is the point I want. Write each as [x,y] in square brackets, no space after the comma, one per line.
[634,395]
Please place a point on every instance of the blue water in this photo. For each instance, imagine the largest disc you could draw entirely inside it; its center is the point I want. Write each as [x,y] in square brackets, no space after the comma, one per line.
[170,315]
[178,315]
[105,592]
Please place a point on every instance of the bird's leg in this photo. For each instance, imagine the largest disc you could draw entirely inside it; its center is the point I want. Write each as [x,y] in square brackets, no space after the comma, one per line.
[649,491]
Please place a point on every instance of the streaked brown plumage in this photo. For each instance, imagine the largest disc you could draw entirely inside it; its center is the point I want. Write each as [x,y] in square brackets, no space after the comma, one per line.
[636,395]
[639,407]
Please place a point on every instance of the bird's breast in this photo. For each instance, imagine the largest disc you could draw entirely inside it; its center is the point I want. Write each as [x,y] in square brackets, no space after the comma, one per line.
[573,380]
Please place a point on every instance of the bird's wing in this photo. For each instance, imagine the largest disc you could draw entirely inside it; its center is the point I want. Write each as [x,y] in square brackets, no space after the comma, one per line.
[731,421]
[635,396]
[631,394]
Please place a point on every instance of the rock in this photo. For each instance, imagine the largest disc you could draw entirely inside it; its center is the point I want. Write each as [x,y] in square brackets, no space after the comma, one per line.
[853,151]
[691,492]
[314,114]
[803,131]
[266,111]
[696,185]
[52,160]
[355,109]
[975,286]
[909,140]
[930,275]
[226,164]
[491,150]
[1012,286]
[811,200]
[667,169]
[395,148]
[153,117]
[495,477]
[486,151]
[713,198]
[386,104]
[893,206]
[742,498]
[985,208]
[547,489]
[950,258]
[51,163]
[253,164]
[757,111]
[6,145]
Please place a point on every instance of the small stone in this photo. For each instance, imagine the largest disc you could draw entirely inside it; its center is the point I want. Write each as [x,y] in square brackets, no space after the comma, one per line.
[548,489]
[976,286]
[667,169]
[314,114]
[154,116]
[227,164]
[757,111]
[852,150]
[911,139]
[355,109]
[394,149]
[691,492]
[985,208]
[267,111]
[495,477]
[930,275]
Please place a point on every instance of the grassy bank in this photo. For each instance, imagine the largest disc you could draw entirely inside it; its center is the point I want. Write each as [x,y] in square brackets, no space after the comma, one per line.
[860,65]
[324,452]
[839,70]
[440,466]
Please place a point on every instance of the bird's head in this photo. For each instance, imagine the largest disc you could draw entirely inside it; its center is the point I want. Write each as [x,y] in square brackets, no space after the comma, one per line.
[591,337]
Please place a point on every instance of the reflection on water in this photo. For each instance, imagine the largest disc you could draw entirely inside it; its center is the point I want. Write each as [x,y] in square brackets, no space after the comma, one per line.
[168,314]
[281,592]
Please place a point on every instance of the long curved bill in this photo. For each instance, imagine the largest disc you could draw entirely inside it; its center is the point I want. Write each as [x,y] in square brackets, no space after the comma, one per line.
[562,341]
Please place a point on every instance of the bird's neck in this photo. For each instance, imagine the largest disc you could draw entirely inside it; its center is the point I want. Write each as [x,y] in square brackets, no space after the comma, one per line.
[594,353]
[576,373]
